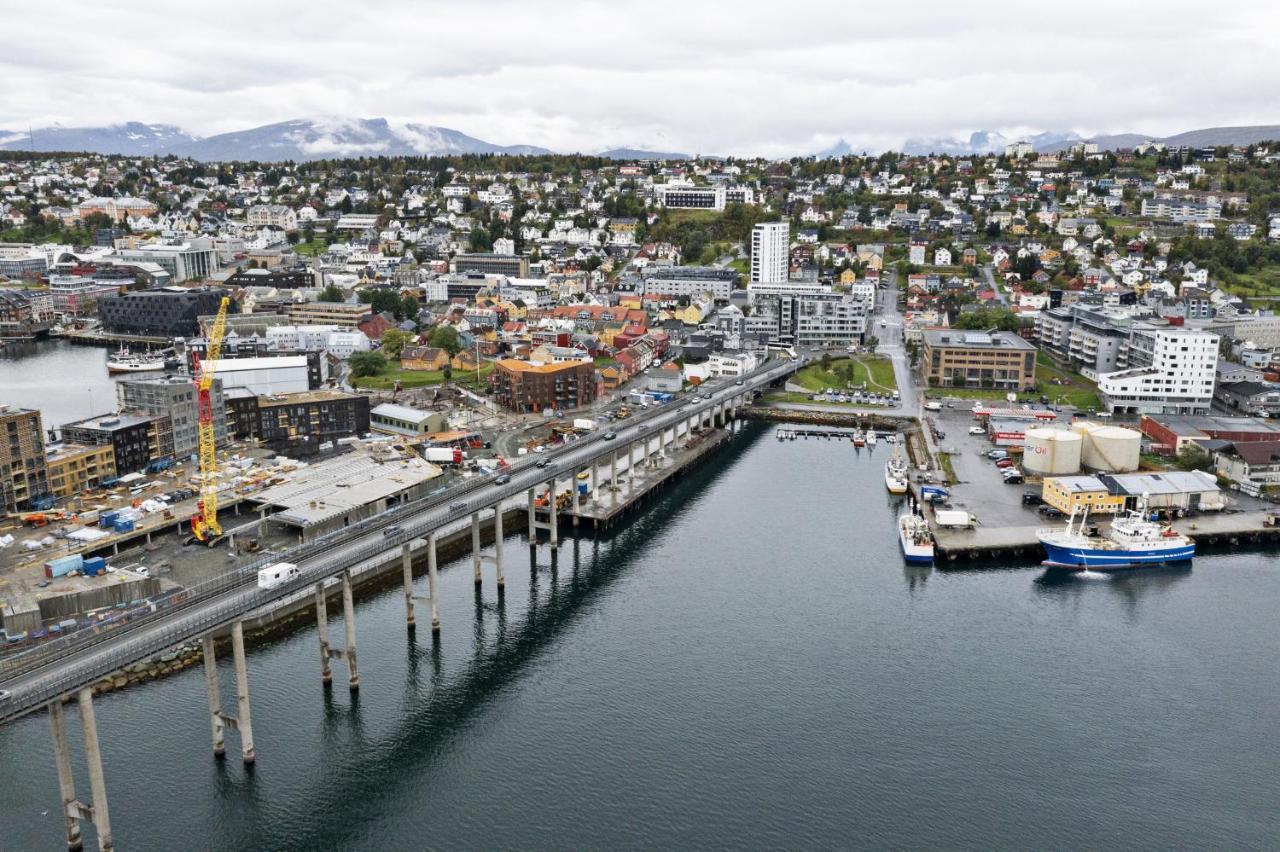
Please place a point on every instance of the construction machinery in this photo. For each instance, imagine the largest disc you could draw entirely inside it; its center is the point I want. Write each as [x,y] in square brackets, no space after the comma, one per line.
[204,523]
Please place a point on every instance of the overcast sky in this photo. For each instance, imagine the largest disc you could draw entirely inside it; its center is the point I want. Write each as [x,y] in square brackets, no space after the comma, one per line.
[743,77]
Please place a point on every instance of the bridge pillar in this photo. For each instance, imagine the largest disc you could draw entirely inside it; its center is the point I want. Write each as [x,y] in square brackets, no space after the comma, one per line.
[71,808]
[631,470]
[244,724]
[613,478]
[497,544]
[475,549]
[406,568]
[322,631]
[533,528]
[555,516]
[574,501]
[215,698]
[99,814]
[431,582]
[349,621]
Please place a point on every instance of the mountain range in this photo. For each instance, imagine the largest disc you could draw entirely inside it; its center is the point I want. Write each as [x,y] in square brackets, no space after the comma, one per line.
[311,139]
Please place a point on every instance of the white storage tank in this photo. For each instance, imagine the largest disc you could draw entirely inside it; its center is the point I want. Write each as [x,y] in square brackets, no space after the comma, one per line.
[1051,452]
[1112,449]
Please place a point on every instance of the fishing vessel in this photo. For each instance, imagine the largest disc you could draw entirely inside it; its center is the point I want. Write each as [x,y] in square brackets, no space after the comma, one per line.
[859,440]
[1133,541]
[871,437]
[913,535]
[124,361]
[895,472]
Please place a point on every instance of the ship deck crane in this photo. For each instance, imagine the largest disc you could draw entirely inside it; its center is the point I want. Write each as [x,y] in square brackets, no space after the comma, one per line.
[204,523]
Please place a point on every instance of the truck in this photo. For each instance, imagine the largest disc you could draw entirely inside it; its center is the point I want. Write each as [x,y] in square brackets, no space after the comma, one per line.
[955,519]
[443,455]
[277,575]
[583,424]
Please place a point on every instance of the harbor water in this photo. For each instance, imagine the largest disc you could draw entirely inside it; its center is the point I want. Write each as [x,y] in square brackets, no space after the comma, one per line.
[65,381]
[746,664]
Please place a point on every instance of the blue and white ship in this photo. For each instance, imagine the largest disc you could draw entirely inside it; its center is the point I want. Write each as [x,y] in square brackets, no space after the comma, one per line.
[1133,541]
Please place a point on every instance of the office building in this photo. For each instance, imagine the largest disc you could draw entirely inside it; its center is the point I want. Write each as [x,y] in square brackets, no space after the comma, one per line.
[395,419]
[136,440]
[770,252]
[23,475]
[187,261]
[76,468]
[686,196]
[1169,371]
[163,312]
[809,314]
[176,397]
[525,387]
[957,359]
[493,264]
[690,281]
[340,314]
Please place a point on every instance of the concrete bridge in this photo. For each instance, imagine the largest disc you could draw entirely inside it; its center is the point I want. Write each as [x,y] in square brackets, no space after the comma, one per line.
[49,676]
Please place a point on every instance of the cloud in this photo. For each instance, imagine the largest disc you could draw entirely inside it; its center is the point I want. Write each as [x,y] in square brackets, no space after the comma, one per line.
[745,77]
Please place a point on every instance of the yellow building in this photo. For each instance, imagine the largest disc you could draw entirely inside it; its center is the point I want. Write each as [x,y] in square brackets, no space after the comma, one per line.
[848,277]
[1075,493]
[75,468]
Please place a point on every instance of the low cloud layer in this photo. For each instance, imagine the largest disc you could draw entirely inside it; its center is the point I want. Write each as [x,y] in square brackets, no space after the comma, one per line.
[735,78]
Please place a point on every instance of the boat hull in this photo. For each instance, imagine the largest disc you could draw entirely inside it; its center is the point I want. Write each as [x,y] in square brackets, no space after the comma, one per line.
[1078,558]
[114,369]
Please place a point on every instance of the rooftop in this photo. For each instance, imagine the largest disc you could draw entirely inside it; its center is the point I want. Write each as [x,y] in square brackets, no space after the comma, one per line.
[334,487]
[976,339]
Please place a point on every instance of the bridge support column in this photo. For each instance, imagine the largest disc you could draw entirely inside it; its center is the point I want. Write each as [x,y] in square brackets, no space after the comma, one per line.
[244,724]
[99,814]
[631,470]
[475,549]
[71,808]
[497,544]
[613,478]
[322,631]
[555,516]
[431,582]
[533,525]
[349,621]
[216,726]
[406,568]
[575,502]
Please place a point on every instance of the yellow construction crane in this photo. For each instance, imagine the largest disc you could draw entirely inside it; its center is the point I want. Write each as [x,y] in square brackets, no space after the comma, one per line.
[204,523]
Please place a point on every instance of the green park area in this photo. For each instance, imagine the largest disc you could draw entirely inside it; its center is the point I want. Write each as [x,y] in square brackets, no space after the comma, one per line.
[842,373]
[386,378]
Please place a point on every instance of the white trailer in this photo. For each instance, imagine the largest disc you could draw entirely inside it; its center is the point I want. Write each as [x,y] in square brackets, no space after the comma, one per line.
[955,518]
[583,424]
[277,575]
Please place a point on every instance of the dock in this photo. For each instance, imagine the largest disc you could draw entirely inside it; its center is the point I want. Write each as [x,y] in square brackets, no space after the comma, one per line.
[98,337]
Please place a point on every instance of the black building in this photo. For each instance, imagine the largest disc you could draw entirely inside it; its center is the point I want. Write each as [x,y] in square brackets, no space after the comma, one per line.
[164,312]
[136,439]
[297,423]
[288,279]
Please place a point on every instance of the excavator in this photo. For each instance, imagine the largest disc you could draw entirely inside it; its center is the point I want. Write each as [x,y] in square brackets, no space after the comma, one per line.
[204,523]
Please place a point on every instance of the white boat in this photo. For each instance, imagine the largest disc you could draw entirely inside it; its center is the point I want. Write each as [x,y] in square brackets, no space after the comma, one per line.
[859,440]
[871,437]
[895,472]
[1132,542]
[125,361]
[913,535]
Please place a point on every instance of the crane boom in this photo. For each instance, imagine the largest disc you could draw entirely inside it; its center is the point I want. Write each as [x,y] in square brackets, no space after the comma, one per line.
[204,524]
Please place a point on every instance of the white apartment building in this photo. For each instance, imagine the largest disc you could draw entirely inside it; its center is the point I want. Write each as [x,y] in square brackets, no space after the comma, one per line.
[272,216]
[184,261]
[1169,372]
[339,342]
[732,363]
[770,252]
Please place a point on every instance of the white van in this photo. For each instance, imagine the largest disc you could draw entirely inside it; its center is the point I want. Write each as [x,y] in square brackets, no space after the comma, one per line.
[277,575]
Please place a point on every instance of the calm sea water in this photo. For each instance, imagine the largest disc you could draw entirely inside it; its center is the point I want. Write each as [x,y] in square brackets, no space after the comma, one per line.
[65,382]
[748,664]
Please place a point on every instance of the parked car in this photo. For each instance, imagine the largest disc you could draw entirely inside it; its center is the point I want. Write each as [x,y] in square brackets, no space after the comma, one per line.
[1016,479]
[1032,500]
[1050,512]
[997,454]
[977,430]
[1004,463]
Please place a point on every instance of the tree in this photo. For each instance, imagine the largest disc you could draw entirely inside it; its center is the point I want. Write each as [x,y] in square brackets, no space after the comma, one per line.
[331,293]
[367,364]
[445,337]
[480,241]
[447,373]
[825,362]
[382,300]
[1193,457]
[394,341]
[409,308]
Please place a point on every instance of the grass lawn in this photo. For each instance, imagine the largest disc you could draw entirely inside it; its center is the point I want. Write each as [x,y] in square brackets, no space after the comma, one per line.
[741,265]
[386,380]
[944,459]
[312,249]
[877,373]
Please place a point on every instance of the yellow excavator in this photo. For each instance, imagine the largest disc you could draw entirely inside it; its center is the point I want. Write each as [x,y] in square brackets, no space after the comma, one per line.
[204,523]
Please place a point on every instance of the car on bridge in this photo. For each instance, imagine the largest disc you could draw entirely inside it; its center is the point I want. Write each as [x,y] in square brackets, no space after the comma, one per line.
[459,506]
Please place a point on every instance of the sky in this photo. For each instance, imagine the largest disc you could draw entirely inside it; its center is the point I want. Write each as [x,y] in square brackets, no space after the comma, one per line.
[701,77]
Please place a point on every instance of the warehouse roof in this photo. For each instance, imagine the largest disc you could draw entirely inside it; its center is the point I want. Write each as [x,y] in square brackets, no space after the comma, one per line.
[332,488]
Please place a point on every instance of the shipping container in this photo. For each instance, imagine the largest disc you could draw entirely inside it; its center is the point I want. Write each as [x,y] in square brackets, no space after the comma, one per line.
[63,565]
[123,525]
